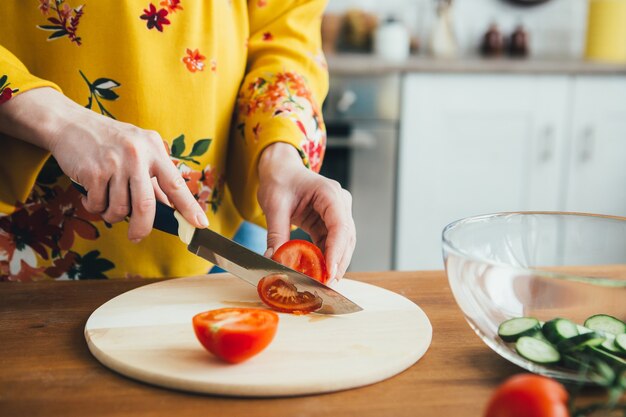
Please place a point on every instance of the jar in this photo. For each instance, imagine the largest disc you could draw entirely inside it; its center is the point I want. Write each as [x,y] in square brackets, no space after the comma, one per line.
[606,31]
[392,41]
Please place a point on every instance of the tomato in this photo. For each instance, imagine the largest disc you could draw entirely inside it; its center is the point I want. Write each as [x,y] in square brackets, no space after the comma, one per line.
[304,257]
[281,295]
[528,395]
[235,334]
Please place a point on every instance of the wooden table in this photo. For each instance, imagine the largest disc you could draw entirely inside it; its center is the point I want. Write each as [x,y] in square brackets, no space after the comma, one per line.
[47,370]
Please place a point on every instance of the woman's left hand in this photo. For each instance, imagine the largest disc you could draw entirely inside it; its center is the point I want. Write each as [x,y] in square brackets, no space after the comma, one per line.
[289,193]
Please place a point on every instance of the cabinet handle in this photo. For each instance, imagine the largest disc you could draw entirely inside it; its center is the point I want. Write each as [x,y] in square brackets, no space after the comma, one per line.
[587,142]
[546,150]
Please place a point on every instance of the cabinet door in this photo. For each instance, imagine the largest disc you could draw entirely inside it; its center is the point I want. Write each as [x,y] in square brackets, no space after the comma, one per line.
[596,180]
[474,144]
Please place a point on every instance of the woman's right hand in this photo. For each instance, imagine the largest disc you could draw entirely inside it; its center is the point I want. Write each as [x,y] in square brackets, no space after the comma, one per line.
[123,168]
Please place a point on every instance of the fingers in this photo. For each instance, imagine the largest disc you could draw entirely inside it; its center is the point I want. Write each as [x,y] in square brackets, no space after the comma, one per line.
[173,185]
[144,207]
[119,199]
[105,154]
[335,206]
[346,258]
[158,192]
[349,250]
[96,200]
[278,227]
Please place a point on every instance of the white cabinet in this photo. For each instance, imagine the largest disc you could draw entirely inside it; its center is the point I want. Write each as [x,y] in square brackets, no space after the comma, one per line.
[596,177]
[475,144]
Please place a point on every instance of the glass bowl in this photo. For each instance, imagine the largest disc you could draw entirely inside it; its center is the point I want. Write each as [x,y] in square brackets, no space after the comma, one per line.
[539,264]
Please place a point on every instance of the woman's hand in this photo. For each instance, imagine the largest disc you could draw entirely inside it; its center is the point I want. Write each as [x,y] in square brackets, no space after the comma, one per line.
[289,193]
[121,166]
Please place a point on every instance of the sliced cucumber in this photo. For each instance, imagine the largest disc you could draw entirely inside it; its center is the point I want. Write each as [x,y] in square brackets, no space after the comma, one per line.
[597,350]
[609,343]
[559,329]
[580,342]
[513,329]
[537,350]
[583,329]
[588,364]
[610,359]
[574,362]
[539,335]
[620,342]
[603,323]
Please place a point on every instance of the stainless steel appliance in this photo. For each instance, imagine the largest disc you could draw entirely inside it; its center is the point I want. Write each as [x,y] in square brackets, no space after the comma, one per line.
[362,120]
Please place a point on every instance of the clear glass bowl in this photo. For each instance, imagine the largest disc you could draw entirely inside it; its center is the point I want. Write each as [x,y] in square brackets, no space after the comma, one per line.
[539,264]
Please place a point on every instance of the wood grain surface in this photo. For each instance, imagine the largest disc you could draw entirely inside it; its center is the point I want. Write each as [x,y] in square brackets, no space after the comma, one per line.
[46,368]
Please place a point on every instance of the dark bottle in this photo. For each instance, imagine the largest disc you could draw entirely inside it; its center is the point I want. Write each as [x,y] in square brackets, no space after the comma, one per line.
[493,42]
[518,44]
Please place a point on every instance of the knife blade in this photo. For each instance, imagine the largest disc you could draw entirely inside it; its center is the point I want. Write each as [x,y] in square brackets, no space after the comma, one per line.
[241,261]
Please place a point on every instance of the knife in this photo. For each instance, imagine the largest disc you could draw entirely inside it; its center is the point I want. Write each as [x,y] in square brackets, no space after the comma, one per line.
[241,261]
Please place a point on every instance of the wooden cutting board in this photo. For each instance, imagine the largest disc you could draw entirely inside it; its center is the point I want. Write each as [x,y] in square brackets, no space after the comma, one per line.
[147,334]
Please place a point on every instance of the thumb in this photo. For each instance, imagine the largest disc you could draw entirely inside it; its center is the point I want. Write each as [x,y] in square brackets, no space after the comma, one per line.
[278,228]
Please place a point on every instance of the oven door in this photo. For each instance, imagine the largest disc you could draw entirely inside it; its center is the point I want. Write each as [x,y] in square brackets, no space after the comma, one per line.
[361,156]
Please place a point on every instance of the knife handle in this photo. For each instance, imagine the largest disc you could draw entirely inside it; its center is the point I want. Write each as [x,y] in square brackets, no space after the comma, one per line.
[165,219]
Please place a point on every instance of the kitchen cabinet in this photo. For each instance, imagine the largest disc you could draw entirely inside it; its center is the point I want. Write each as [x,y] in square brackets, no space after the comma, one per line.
[596,171]
[474,144]
[481,143]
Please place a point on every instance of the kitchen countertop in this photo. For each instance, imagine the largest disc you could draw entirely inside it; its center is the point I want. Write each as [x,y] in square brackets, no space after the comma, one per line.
[47,369]
[366,64]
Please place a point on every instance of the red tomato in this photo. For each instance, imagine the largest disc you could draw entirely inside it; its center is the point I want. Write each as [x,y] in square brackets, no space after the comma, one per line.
[528,395]
[281,295]
[304,257]
[235,334]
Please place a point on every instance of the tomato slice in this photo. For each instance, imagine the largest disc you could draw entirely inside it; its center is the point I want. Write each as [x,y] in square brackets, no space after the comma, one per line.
[235,334]
[277,292]
[304,257]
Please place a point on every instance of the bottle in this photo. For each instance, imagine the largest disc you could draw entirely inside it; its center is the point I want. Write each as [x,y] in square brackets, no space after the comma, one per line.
[518,44]
[392,41]
[443,43]
[493,42]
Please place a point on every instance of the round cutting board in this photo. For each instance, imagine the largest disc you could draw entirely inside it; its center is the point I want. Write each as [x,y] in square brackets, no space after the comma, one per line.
[146,334]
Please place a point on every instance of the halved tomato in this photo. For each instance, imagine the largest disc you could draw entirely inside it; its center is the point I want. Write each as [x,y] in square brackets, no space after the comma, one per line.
[277,292]
[303,256]
[235,334]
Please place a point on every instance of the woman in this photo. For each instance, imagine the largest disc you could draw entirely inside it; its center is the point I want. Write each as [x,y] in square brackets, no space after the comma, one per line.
[227,90]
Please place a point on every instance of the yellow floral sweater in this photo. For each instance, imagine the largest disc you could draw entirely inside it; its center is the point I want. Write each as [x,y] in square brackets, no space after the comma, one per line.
[220,80]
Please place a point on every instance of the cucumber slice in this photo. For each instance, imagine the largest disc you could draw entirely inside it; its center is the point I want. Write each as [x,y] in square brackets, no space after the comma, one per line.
[609,343]
[620,342]
[613,361]
[537,350]
[588,364]
[574,362]
[514,328]
[559,329]
[580,342]
[603,323]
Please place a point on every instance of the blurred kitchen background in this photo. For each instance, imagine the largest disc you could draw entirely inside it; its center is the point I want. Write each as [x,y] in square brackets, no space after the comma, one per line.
[443,109]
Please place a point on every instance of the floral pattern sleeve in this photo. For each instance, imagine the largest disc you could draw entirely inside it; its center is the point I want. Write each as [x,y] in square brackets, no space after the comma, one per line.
[280,97]
[20,162]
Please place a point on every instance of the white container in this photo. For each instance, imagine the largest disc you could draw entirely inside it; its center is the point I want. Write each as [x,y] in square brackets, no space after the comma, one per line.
[392,41]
